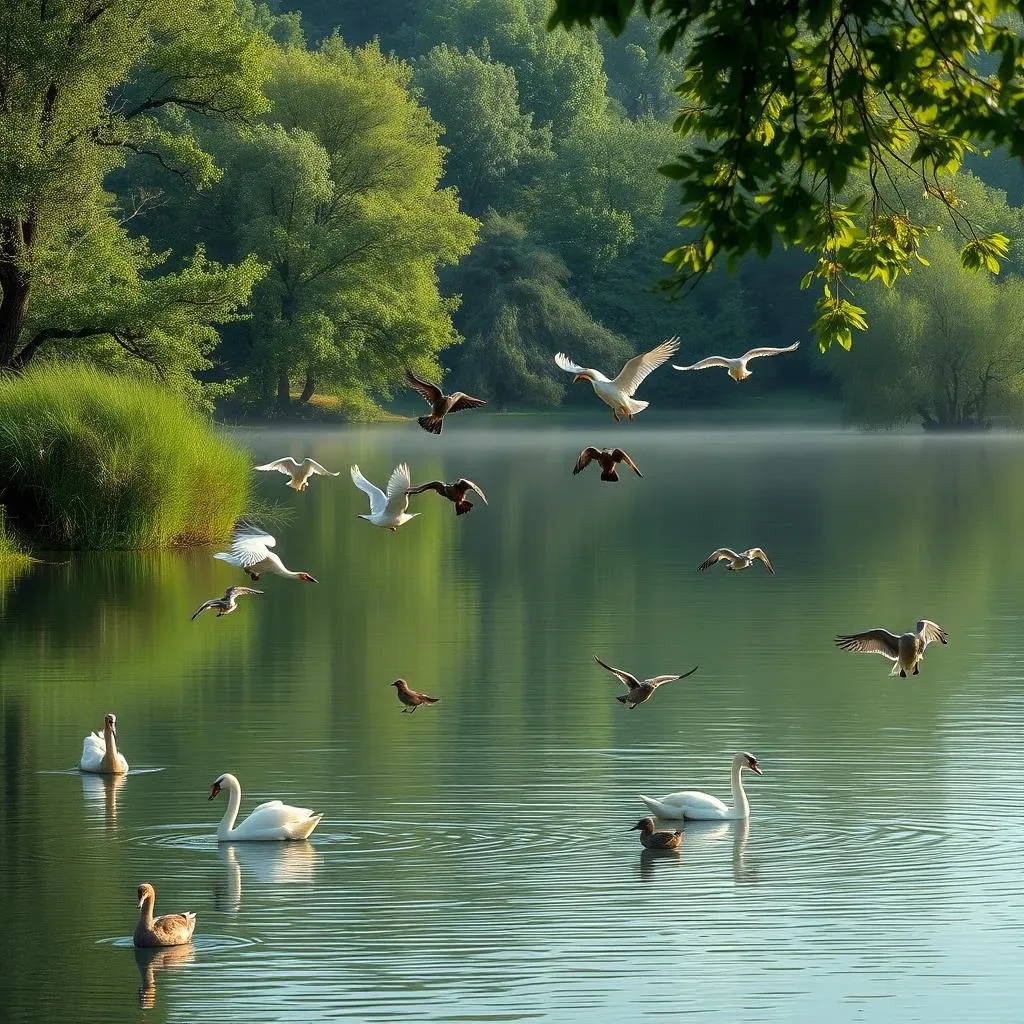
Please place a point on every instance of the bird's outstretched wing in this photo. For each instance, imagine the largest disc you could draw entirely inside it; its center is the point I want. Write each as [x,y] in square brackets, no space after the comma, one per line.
[287,465]
[463,401]
[656,681]
[431,392]
[319,470]
[434,485]
[930,632]
[250,547]
[239,592]
[635,372]
[398,486]
[619,454]
[705,364]
[205,606]
[563,362]
[378,499]
[715,557]
[759,553]
[871,641]
[586,457]
[624,677]
[469,485]
[756,353]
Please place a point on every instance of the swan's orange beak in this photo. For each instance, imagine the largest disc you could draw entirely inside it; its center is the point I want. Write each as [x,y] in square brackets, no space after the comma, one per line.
[756,769]
[214,790]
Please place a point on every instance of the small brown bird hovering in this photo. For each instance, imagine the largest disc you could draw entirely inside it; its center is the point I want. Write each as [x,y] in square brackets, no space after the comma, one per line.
[639,690]
[652,840]
[411,698]
[440,403]
[455,493]
[607,459]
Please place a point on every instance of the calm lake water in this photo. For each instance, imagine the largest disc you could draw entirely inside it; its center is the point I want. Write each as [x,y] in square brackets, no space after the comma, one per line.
[474,863]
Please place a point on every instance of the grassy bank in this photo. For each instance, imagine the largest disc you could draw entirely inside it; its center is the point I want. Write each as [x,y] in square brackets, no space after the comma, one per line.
[90,460]
[11,553]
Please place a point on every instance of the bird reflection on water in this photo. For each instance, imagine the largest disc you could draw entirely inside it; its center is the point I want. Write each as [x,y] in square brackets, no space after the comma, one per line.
[265,864]
[699,839]
[100,793]
[151,961]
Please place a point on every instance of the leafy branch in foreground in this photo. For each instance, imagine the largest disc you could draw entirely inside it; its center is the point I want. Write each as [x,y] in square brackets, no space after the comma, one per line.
[818,125]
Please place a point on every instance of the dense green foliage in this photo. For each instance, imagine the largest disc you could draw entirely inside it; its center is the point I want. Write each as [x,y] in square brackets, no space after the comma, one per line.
[94,460]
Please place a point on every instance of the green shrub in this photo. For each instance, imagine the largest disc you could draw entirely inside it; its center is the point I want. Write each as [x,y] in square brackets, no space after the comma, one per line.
[90,460]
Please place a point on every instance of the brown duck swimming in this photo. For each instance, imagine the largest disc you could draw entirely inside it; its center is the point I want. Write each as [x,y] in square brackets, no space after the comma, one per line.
[607,459]
[440,403]
[455,492]
[652,840]
[168,930]
[412,699]
[227,604]
[639,690]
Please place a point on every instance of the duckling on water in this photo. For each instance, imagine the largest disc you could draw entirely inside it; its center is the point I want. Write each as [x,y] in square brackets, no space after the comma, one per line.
[652,840]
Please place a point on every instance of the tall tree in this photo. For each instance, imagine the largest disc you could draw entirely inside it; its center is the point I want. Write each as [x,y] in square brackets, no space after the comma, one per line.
[83,85]
[338,194]
[790,97]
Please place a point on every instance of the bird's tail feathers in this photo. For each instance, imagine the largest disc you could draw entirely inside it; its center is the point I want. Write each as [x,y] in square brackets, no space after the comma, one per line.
[462,507]
[432,424]
[634,406]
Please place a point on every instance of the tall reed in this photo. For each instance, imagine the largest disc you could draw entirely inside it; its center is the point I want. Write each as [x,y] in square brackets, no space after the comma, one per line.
[91,460]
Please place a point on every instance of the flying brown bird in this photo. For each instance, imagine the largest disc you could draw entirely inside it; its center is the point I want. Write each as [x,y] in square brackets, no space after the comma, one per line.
[411,698]
[440,403]
[652,840]
[639,690]
[607,459]
[905,651]
[736,561]
[455,493]
[227,604]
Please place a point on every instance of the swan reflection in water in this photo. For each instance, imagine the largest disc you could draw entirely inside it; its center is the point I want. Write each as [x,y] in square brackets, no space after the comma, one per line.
[151,961]
[100,793]
[699,839]
[269,864]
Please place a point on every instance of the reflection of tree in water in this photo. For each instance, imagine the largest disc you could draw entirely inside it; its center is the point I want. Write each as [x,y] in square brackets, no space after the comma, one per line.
[151,962]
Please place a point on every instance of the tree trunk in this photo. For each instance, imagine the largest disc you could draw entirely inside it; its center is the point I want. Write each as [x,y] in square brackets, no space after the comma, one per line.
[307,389]
[16,285]
[284,399]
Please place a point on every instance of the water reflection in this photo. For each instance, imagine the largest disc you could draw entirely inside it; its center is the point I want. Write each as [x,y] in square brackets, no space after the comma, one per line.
[266,864]
[151,962]
[100,793]
[653,861]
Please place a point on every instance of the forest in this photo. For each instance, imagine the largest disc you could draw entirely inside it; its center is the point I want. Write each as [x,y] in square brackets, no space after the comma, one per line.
[274,211]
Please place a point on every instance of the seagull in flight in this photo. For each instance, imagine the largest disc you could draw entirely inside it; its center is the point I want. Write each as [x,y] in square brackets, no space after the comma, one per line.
[297,472]
[736,561]
[738,367]
[639,689]
[905,651]
[618,393]
[227,604]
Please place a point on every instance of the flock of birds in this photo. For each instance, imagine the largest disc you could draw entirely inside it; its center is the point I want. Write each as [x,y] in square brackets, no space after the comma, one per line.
[251,553]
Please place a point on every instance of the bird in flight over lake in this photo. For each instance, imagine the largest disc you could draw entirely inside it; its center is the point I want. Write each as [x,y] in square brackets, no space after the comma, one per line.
[297,472]
[250,552]
[227,604]
[607,459]
[440,403]
[652,840]
[618,393]
[412,699]
[454,492]
[639,690]
[905,651]
[387,510]
[736,561]
[738,367]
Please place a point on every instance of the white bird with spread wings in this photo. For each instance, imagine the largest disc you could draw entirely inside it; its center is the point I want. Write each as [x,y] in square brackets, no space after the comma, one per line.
[738,367]
[905,651]
[618,393]
[387,510]
[250,552]
[298,473]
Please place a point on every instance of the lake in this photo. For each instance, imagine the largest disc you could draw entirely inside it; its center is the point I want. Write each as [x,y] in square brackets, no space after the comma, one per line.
[473,862]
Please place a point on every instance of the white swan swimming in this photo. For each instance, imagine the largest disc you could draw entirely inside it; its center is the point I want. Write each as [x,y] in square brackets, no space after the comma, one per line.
[702,806]
[100,754]
[269,821]
[617,394]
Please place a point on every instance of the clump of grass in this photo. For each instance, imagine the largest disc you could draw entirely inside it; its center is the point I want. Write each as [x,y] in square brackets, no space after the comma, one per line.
[91,460]
[11,552]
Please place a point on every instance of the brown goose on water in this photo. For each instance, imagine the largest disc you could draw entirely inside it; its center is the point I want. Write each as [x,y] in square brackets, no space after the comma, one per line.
[168,930]
[412,699]
[440,403]
[652,840]
[454,492]
[639,689]
[607,459]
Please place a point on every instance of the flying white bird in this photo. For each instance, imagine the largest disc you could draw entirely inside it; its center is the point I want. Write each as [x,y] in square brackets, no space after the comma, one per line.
[736,561]
[297,472]
[387,510]
[905,651]
[618,393]
[250,552]
[738,367]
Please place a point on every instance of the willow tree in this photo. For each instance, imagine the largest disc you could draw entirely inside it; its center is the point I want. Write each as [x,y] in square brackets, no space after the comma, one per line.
[84,85]
[783,102]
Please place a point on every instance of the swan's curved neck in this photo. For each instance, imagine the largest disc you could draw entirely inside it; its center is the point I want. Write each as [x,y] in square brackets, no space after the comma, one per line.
[741,808]
[227,823]
[146,917]
[110,743]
